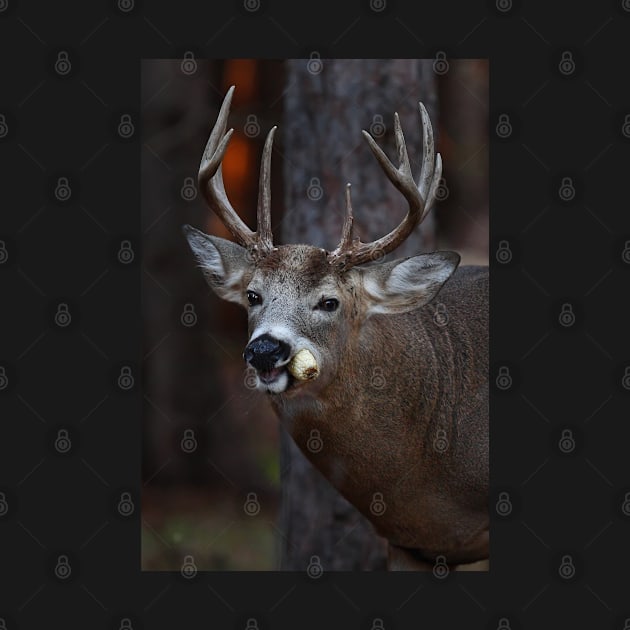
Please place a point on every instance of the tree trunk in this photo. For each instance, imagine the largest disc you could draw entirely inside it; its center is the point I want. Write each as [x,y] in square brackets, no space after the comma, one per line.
[324,114]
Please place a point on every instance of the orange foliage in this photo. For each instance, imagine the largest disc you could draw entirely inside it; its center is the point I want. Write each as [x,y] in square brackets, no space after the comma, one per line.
[241,73]
[238,166]
[238,163]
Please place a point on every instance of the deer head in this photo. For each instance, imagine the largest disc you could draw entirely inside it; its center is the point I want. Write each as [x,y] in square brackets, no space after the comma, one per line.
[304,297]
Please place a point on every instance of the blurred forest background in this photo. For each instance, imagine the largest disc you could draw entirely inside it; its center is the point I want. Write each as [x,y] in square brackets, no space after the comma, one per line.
[223,489]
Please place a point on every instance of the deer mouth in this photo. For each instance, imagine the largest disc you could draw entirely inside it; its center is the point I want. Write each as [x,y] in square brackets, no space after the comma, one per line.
[274,380]
[279,380]
[267,377]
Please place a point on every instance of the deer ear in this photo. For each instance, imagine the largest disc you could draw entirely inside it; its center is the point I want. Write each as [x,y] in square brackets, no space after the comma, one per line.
[406,284]
[224,264]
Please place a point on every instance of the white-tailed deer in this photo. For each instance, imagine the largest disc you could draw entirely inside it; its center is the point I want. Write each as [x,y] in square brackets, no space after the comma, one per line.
[393,357]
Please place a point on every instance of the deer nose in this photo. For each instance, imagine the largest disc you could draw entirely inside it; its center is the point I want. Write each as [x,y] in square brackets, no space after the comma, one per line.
[265,352]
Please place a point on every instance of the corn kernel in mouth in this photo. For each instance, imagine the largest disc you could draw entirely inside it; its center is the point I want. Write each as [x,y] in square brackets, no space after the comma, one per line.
[303,366]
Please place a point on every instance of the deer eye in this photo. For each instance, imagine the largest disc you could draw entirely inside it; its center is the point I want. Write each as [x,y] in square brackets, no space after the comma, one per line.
[328,304]
[253,298]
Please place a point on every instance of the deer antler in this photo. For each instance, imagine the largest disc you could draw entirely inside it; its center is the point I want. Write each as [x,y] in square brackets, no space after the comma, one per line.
[420,197]
[211,184]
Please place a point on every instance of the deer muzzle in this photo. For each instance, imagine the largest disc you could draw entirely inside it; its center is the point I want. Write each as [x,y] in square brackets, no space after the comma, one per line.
[266,354]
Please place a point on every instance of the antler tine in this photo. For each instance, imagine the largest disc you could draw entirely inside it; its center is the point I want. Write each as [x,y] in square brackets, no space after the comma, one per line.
[428,160]
[401,147]
[265,237]
[346,232]
[419,197]
[437,175]
[210,177]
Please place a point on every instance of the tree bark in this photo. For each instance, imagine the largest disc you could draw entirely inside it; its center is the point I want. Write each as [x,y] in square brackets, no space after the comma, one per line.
[324,149]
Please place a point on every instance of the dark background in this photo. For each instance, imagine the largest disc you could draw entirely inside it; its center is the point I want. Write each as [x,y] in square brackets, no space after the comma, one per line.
[568,240]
